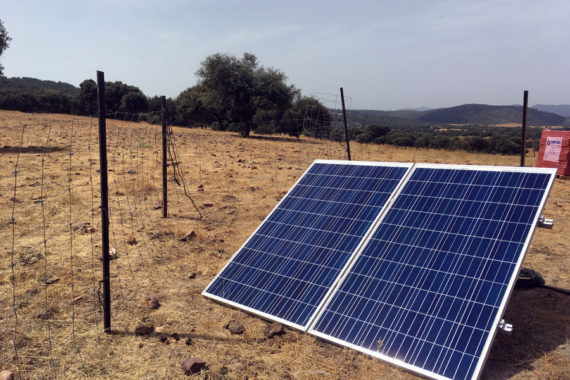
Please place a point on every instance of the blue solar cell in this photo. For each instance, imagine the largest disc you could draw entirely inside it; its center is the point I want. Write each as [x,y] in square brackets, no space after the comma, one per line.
[428,289]
[285,269]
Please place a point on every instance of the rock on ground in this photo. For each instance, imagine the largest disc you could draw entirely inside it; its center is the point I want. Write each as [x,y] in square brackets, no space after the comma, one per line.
[235,327]
[273,329]
[188,236]
[6,375]
[193,365]
[152,302]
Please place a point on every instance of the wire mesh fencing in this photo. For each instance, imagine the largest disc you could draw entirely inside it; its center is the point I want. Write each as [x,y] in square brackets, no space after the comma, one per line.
[50,224]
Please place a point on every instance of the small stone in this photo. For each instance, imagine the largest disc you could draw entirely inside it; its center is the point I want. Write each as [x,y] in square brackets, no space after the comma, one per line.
[86,228]
[201,187]
[143,330]
[193,365]
[6,375]
[235,327]
[208,205]
[175,336]
[113,255]
[188,236]
[51,280]
[157,205]
[163,337]
[192,275]
[48,314]
[78,299]
[131,240]
[273,329]
[188,341]
[152,302]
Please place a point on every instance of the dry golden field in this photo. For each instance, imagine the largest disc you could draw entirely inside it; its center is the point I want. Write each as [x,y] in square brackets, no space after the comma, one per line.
[50,244]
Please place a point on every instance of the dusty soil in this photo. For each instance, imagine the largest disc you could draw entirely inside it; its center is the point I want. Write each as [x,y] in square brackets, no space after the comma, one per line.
[50,244]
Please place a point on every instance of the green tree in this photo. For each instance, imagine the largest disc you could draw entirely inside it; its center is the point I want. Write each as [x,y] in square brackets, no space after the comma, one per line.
[309,116]
[134,102]
[189,107]
[228,84]
[88,97]
[377,130]
[371,132]
[239,94]
[114,92]
[155,111]
[272,98]
[4,43]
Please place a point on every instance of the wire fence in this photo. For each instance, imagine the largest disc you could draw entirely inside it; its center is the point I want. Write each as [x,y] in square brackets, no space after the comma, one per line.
[50,225]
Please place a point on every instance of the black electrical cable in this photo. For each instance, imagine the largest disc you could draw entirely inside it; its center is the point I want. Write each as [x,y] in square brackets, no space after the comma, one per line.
[529,279]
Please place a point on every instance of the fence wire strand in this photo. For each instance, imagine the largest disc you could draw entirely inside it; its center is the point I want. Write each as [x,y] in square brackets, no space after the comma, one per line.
[56,306]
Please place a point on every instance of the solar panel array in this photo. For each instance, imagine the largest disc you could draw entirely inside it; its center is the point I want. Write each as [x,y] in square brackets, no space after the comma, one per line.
[425,288]
[289,264]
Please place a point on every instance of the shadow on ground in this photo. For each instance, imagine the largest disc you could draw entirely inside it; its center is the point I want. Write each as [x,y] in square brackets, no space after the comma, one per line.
[30,149]
[541,322]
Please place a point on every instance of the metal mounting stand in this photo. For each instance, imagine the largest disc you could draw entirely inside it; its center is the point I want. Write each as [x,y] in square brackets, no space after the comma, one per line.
[545,223]
[505,327]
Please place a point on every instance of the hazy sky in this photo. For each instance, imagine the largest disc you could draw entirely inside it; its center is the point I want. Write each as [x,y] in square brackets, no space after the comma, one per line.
[386,54]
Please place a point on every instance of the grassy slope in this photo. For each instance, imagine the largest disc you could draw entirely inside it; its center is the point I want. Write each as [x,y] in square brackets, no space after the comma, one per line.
[242,181]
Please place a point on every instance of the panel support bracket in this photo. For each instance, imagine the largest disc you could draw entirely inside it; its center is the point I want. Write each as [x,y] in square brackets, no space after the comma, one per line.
[505,327]
[545,223]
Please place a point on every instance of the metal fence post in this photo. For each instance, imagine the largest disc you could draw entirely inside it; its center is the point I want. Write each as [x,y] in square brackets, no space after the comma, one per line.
[104,203]
[523,138]
[164,159]
[345,124]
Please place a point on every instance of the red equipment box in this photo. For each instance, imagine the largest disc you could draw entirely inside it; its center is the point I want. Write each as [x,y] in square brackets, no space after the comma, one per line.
[554,151]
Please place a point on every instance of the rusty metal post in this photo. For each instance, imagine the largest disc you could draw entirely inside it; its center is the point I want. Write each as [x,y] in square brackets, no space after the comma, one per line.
[104,203]
[164,159]
[345,124]
[523,138]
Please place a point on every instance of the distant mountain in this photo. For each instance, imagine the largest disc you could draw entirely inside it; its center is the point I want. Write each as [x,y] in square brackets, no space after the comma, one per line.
[415,109]
[484,114]
[389,118]
[409,113]
[560,109]
[26,84]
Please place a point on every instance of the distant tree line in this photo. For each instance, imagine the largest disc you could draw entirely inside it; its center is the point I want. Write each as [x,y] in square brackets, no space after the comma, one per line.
[472,138]
[237,94]
[4,43]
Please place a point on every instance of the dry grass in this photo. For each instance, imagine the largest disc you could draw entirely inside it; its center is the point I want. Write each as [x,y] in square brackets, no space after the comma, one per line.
[241,179]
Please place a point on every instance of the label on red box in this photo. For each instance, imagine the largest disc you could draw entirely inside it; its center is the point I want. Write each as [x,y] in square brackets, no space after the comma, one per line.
[552,151]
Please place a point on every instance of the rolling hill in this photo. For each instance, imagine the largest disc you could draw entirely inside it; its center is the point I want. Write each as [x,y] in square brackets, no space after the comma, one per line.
[473,114]
[25,84]
[560,109]
[485,115]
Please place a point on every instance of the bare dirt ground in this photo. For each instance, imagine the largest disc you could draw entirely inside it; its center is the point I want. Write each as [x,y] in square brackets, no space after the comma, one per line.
[50,244]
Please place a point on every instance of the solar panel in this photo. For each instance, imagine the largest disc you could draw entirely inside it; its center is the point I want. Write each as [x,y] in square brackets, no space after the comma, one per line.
[288,265]
[428,289]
